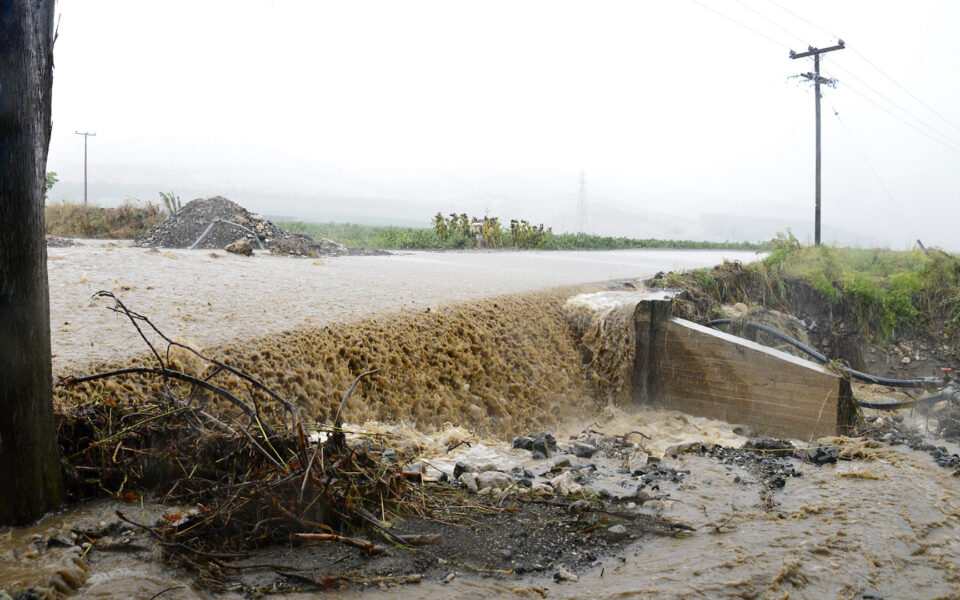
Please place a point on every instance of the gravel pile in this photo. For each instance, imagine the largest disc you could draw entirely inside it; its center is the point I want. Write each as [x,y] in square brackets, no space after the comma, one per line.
[182,229]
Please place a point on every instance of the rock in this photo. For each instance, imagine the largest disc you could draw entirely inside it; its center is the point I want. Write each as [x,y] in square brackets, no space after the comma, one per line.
[523,442]
[563,461]
[564,575]
[544,442]
[241,247]
[565,484]
[905,360]
[542,488]
[767,444]
[460,468]
[740,307]
[684,448]
[470,481]
[538,455]
[822,455]
[616,533]
[527,473]
[506,554]
[494,479]
[637,461]
[583,450]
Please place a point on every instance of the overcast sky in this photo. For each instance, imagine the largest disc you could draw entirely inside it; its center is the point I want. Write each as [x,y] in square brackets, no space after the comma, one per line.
[685,122]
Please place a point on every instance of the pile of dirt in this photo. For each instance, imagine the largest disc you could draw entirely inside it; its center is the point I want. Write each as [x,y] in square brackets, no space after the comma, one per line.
[182,228]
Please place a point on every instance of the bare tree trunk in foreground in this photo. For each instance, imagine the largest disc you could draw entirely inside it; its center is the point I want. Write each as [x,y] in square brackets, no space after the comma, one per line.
[30,481]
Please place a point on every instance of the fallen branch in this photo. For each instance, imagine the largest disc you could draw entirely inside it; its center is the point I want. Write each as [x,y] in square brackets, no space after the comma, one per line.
[369,547]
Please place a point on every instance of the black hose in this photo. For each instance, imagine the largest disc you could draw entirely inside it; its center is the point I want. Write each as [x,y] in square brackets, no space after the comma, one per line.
[897,405]
[903,383]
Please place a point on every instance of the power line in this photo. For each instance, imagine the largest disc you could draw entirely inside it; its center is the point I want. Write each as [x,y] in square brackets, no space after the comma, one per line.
[899,118]
[810,23]
[771,21]
[905,111]
[736,22]
[875,172]
[908,92]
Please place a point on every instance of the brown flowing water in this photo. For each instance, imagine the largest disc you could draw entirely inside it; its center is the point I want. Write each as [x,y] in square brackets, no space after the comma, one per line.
[885,523]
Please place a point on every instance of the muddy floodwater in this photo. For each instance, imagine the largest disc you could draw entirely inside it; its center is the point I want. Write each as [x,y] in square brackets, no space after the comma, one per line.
[209,297]
[456,383]
[882,522]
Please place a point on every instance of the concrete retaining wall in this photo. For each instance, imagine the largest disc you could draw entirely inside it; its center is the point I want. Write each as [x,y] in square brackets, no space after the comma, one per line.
[685,366]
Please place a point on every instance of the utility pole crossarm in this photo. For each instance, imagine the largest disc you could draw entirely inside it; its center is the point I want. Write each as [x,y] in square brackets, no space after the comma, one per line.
[811,51]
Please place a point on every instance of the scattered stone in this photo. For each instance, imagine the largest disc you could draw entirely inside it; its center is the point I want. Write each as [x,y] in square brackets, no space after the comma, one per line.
[563,461]
[241,247]
[767,444]
[506,554]
[685,448]
[583,450]
[905,360]
[58,242]
[542,488]
[616,533]
[564,575]
[460,468]
[469,480]
[493,479]
[565,484]
[637,461]
[822,455]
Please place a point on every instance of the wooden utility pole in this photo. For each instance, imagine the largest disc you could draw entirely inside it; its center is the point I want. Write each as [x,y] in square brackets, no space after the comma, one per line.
[817,80]
[87,134]
[30,478]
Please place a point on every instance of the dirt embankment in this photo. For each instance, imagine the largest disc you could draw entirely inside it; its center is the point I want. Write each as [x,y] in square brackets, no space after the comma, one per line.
[833,326]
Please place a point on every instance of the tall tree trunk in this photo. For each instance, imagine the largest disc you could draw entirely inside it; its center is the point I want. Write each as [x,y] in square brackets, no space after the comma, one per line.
[30,481]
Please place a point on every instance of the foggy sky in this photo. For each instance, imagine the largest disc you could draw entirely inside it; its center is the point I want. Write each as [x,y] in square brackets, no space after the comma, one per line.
[686,124]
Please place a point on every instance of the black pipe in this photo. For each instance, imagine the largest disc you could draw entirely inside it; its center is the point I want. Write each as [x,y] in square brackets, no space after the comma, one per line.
[904,383]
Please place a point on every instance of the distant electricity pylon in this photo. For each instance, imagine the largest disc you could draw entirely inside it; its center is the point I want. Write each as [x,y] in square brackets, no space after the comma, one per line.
[817,80]
[85,134]
[582,205]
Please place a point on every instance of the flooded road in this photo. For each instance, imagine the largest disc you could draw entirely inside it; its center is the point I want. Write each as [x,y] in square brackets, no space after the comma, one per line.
[209,298]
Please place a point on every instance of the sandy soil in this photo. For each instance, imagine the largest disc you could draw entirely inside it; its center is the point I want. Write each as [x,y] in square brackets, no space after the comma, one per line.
[205,300]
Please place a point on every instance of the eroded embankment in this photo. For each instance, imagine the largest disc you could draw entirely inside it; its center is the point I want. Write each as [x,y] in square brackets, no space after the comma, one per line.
[500,365]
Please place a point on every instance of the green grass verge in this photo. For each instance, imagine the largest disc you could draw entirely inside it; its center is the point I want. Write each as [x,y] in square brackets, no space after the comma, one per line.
[890,292]
[391,237]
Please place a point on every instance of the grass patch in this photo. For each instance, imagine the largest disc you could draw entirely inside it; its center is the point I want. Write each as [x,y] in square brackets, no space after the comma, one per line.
[889,292]
[389,237]
[127,221]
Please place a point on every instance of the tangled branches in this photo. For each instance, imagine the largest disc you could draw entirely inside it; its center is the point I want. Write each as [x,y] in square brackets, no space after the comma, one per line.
[246,477]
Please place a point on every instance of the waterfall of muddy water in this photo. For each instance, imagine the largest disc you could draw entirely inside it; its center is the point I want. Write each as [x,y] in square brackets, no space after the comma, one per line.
[603,325]
[501,366]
